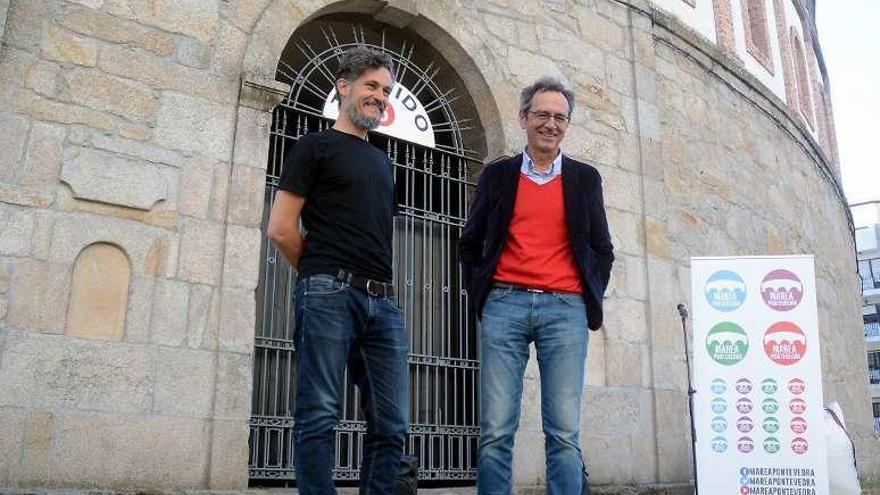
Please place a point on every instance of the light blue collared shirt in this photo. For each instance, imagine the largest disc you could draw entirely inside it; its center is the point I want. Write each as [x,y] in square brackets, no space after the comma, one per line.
[544,177]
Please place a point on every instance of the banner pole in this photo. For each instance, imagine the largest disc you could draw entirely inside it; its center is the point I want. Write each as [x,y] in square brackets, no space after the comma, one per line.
[683,313]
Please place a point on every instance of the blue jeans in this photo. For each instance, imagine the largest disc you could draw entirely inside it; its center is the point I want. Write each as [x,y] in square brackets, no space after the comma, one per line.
[557,324]
[338,325]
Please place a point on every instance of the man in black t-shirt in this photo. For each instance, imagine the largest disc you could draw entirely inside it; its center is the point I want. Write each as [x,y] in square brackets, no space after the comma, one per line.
[343,189]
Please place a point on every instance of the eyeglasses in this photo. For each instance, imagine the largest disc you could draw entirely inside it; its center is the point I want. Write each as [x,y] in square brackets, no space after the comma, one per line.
[544,117]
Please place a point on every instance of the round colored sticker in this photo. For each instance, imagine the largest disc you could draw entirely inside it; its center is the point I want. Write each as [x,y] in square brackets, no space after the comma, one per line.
[798,425]
[769,406]
[745,424]
[797,406]
[725,291]
[782,290]
[769,386]
[718,386]
[770,424]
[796,386]
[744,406]
[771,445]
[727,343]
[719,444]
[745,445]
[719,424]
[785,343]
[718,405]
[799,445]
[743,386]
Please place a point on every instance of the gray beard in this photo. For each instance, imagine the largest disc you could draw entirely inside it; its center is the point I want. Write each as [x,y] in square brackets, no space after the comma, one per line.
[361,121]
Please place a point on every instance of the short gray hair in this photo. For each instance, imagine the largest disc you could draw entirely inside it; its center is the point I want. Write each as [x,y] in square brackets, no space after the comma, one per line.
[541,85]
[356,61]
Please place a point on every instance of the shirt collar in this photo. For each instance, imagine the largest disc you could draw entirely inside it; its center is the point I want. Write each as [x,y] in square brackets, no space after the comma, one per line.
[528,168]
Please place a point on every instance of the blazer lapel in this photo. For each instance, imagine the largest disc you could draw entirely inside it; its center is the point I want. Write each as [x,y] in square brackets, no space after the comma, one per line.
[571,196]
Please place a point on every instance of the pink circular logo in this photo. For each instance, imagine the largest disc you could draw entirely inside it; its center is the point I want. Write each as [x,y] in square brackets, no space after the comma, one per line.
[797,406]
[799,445]
[798,425]
[782,290]
[745,445]
[796,386]
[785,343]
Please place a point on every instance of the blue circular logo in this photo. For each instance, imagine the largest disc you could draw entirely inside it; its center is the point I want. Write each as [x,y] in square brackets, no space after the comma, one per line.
[719,424]
[725,291]
[719,444]
[718,405]
[718,386]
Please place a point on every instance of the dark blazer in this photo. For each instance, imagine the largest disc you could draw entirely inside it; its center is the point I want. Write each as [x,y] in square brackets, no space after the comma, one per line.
[485,234]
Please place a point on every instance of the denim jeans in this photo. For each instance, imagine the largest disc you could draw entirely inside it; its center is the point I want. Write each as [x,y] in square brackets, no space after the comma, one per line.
[557,324]
[338,325]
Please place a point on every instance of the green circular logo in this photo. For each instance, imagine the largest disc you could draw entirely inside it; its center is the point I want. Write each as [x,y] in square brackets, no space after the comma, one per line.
[770,406]
[771,445]
[771,425]
[727,343]
[769,386]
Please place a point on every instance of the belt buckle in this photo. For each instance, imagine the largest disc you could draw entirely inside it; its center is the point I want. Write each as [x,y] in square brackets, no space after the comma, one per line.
[539,291]
[370,292]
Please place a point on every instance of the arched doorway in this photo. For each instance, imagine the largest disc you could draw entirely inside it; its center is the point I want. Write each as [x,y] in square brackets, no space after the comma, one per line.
[436,148]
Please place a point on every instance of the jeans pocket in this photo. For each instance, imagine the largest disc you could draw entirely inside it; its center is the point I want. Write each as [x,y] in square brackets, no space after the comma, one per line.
[499,294]
[573,300]
[323,285]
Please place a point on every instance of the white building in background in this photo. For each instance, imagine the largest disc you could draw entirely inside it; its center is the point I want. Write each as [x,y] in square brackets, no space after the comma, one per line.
[866,217]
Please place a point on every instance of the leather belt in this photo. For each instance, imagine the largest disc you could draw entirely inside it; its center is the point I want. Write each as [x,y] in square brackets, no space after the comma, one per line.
[503,285]
[372,287]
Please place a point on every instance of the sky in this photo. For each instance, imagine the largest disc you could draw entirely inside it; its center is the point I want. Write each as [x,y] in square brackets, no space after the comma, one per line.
[849,33]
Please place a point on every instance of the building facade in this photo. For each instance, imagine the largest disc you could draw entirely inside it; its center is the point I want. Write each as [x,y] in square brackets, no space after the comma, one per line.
[145,331]
[867,221]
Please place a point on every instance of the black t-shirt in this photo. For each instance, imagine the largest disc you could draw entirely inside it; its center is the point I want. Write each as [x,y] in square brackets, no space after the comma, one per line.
[349,208]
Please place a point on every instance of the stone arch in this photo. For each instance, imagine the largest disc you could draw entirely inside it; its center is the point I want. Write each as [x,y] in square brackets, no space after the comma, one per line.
[99,293]
[462,48]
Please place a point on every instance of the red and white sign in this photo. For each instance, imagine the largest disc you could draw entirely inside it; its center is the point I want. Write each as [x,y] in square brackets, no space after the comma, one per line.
[404,118]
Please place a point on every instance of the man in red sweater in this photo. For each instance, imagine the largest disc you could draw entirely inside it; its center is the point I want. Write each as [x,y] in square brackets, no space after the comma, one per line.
[537,257]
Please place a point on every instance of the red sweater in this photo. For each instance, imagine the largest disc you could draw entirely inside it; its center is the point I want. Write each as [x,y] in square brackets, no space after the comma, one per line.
[537,253]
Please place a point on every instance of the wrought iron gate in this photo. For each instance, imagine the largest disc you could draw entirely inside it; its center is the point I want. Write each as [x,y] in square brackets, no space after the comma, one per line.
[433,189]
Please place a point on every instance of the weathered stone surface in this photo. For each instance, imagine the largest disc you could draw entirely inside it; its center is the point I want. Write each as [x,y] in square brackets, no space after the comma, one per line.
[34,466]
[140,301]
[203,317]
[39,301]
[229,455]
[201,252]
[100,91]
[42,161]
[233,392]
[109,28]
[53,371]
[130,450]
[134,131]
[241,262]
[193,53]
[62,46]
[195,191]
[168,319]
[11,426]
[43,77]
[246,196]
[17,226]
[194,124]
[107,178]
[43,109]
[135,149]
[252,138]
[99,293]
[24,23]
[13,137]
[191,17]
[237,314]
[184,382]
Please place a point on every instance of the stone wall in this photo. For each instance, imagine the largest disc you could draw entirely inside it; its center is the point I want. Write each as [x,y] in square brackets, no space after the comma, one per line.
[135,136]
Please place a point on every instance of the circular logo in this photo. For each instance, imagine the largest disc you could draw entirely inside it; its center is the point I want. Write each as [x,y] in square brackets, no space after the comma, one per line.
[798,425]
[797,406]
[744,490]
[727,343]
[719,424]
[769,386]
[771,445]
[745,445]
[769,406]
[796,386]
[745,424]
[782,290]
[725,291]
[799,445]
[718,386]
[770,424]
[719,444]
[718,405]
[743,386]
[744,406]
[785,343]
